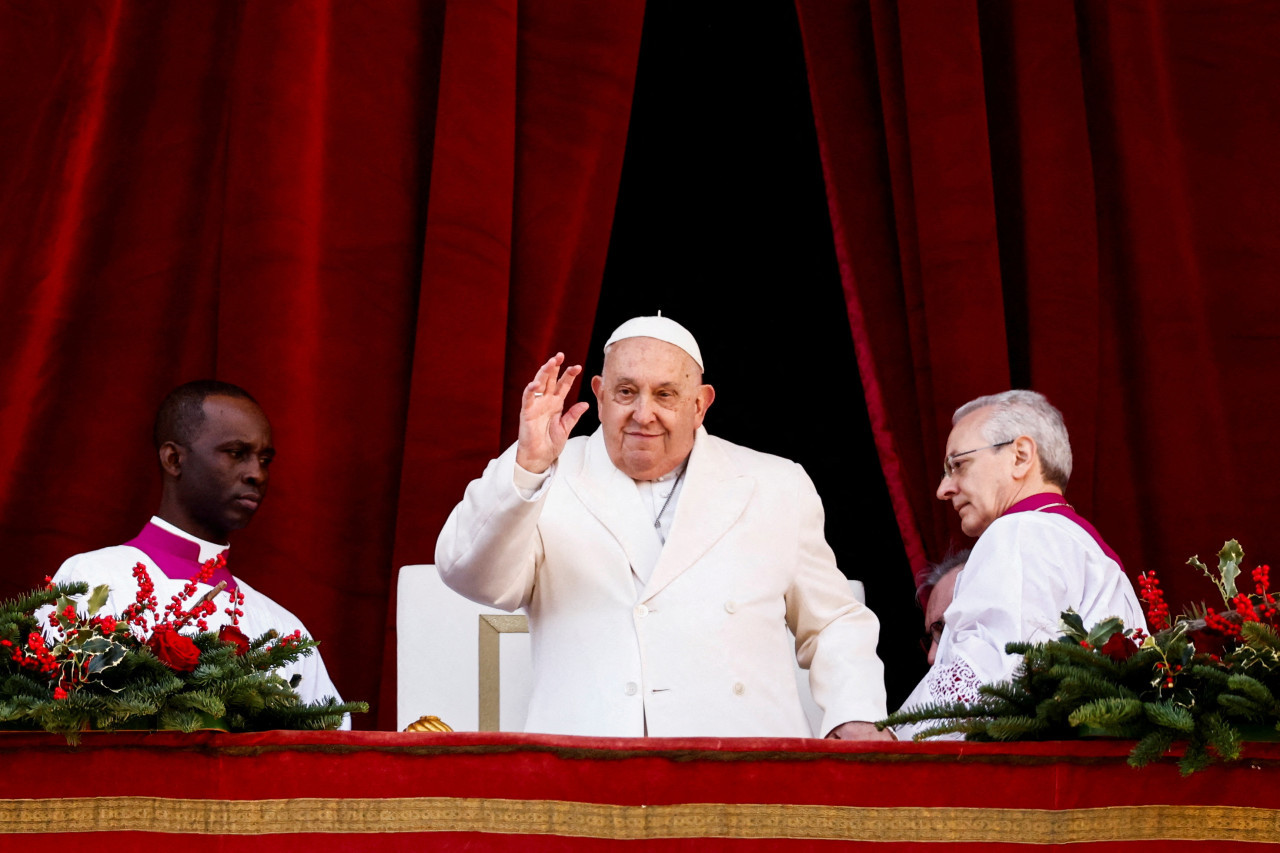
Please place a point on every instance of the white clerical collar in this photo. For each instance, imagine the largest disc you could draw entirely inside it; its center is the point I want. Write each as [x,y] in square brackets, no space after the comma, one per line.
[672,474]
[208,550]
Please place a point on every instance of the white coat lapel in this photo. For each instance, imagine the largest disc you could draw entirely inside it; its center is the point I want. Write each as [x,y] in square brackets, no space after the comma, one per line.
[612,497]
[714,496]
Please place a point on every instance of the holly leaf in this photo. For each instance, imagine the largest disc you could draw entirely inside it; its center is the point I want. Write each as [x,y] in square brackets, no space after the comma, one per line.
[1101,632]
[109,657]
[1072,625]
[60,608]
[1229,560]
[98,598]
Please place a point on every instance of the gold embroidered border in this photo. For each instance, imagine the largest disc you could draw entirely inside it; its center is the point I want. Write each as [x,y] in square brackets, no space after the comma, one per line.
[619,822]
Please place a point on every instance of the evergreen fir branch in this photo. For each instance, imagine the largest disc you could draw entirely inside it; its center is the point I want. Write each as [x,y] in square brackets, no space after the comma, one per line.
[196,701]
[1011,693]
[1017,728]
[20,683]
[1252,689]
[971,729]
[1151,747]
[928,711]
[1170,716]
[1106,713]
[310,716]
[268,652]
[1057,713]
[1260,635]
[1196,757]
[20,608]
[1073,653]
[183,720]
[127,713]
[1239,706]
[1222,737]
[1214,677]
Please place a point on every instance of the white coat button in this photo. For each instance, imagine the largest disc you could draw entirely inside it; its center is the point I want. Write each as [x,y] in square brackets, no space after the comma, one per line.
[641,611]
[731,607]
[632,688]
[739,688]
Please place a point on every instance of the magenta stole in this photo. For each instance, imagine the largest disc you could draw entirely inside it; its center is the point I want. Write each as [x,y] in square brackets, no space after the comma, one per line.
[1057,504]
[178,558]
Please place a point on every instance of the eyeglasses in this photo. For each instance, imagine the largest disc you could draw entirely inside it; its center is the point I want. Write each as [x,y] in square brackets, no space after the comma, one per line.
[934,634]
[949,463]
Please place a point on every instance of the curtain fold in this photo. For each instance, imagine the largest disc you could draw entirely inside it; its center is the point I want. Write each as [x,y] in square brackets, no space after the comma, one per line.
[1078,198]
[530,135]
[339,210]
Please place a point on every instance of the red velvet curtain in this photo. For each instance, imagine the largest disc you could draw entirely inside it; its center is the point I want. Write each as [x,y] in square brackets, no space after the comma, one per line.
[1081,198]
[379,220]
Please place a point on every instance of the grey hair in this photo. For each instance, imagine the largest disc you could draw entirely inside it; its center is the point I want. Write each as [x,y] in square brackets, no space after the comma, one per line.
[1016,413]
[941,569]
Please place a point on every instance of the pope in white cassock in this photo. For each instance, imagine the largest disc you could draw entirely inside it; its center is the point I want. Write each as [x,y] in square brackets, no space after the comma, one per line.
[1006,468]
[215,451]
[661,567]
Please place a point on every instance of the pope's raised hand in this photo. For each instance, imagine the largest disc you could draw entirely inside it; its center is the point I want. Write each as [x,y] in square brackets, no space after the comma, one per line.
[544,423]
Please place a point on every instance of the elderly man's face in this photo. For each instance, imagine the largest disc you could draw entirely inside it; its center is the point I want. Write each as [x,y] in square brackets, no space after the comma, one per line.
[652,402]
[939,601]
[981,485]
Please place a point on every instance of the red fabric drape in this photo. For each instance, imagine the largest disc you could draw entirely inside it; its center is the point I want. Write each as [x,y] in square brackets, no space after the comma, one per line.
[1078,198]
[375,791]
[378,221]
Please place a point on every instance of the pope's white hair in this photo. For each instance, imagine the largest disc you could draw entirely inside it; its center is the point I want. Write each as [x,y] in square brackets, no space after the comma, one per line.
[1019,412]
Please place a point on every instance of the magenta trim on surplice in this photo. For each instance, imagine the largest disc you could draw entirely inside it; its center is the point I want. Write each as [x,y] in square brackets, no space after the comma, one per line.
[1057,504]
[178,558]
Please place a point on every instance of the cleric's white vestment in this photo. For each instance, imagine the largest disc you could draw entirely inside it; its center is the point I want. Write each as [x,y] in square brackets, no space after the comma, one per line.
[114,566]
[698,646]
[1024,571]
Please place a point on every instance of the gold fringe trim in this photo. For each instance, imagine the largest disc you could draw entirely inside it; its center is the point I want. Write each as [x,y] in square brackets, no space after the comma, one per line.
[594,820]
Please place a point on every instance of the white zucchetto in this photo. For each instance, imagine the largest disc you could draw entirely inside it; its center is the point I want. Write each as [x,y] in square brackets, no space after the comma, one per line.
[660,328]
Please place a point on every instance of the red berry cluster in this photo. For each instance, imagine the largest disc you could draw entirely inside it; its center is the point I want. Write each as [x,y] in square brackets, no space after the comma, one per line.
[37,657]
[175,609]
[237,601]
[1221,623]
[1169,673]
[289,641]
[144,600]
[1153,597]
[1267,603]
[66,614]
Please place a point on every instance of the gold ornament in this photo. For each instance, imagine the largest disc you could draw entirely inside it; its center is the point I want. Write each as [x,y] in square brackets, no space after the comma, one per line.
[428,724]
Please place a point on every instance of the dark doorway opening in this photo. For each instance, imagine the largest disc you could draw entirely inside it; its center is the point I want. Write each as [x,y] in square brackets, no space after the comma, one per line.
[722,225]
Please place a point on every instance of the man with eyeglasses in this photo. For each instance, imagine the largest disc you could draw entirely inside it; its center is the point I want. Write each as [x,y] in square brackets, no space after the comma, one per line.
[1005,472]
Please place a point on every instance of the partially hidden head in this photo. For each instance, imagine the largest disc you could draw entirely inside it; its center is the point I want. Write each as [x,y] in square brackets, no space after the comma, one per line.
[939,587]
[1003,448]
[215,450]
[651,397]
